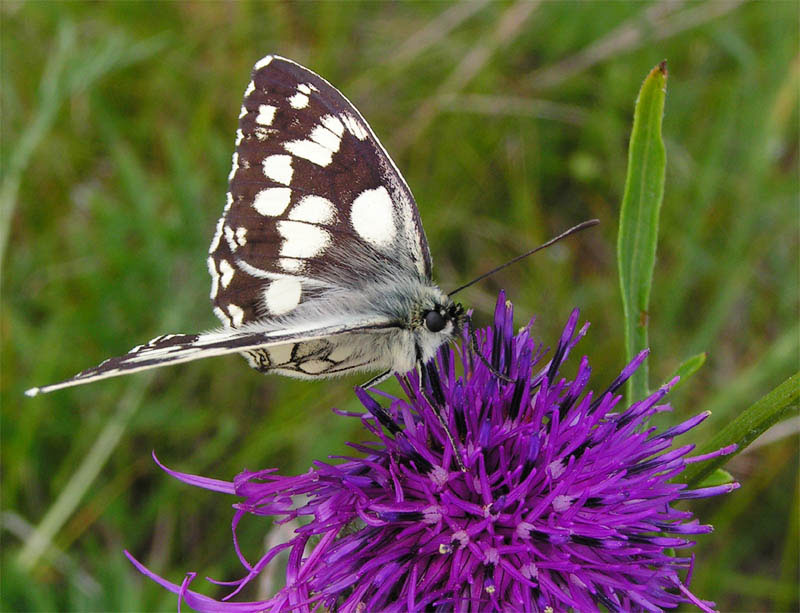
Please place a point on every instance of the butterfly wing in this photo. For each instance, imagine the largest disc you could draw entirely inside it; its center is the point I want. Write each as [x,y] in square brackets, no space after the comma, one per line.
[315,202]
[333,348]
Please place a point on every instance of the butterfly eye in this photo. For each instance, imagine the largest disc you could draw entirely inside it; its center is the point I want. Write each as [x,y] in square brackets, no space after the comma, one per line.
[434,321]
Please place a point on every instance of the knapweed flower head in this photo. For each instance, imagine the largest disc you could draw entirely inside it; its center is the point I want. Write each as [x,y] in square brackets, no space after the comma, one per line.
[562,499]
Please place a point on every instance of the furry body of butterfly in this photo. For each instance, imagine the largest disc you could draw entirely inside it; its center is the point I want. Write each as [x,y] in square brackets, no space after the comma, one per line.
[392,333]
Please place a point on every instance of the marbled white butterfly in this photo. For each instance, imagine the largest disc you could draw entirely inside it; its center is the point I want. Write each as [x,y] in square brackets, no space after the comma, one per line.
[319,264]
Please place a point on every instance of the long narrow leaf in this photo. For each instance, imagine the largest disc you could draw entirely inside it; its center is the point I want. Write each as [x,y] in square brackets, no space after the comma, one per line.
[687,369]
[754,421]
[638,223]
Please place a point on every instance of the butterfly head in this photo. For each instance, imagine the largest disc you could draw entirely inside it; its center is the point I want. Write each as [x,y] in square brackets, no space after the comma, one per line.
[436,322]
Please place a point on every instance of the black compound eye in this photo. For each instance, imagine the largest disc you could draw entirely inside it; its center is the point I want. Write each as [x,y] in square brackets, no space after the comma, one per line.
[434,321]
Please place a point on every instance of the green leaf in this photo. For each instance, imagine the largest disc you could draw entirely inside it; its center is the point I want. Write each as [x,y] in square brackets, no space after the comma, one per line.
[688,368]
[754,421]
[720,476]
[638,223]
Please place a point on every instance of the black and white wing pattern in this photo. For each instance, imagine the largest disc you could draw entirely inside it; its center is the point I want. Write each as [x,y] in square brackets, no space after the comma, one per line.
[319,264]
[314,200]
[177,348]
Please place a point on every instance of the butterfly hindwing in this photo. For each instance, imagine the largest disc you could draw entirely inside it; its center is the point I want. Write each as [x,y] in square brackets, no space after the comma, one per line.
[315,202]
[324,351]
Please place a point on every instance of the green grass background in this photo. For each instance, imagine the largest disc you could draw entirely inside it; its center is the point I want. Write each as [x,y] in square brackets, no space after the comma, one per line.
[510,123]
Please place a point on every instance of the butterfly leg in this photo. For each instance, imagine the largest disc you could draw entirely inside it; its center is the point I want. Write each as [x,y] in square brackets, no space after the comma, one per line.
[429,378]
[482,358]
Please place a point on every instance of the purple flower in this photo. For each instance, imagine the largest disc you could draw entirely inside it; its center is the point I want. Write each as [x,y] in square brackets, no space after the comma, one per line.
[566,501]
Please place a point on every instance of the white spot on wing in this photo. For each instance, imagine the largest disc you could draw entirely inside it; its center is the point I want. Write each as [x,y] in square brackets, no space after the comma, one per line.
[222,316]
[266,113]
[268,275]
[325,137]
[230,238]
[237,315]
[228,201]
[301,240]
[291,265]
[278,168]
[372,216]
[311,151]
[212,270]
[239,137]
[251,87]
[242,112]
[264,61]
[354,126]
[217,235]
[227,272]
[313,209]
[299,101]
[272,201]
[234,166]
[241,236]
[333,124]
[304,88]
[282,295]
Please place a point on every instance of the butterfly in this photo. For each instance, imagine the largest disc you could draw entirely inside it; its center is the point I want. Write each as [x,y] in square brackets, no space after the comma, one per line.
[319,264]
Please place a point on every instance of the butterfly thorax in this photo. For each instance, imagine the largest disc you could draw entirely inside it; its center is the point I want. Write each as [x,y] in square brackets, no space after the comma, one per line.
[419,318]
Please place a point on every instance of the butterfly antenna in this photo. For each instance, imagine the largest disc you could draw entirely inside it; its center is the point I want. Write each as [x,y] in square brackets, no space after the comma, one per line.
[565,234]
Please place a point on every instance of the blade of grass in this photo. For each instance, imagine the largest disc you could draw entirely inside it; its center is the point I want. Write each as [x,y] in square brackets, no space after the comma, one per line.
[434,32]
[514,106]
[142,200]
[638,223]
[656,22]
[43,117]
[772,365]
[69,71]
[756,419]
[507,28]
[41,539]
[66,564]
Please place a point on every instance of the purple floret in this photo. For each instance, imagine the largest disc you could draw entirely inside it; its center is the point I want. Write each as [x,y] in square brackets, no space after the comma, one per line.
[566,501]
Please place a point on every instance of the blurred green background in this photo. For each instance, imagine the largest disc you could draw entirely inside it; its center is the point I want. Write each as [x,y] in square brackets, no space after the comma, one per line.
[510,122]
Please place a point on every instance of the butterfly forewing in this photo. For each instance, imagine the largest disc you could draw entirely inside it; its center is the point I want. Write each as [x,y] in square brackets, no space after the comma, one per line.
[315,202]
